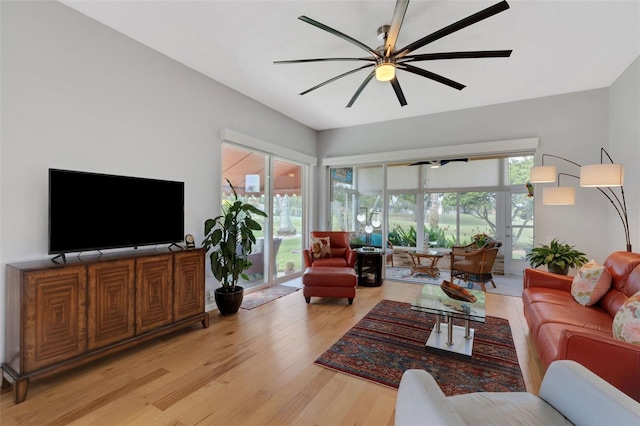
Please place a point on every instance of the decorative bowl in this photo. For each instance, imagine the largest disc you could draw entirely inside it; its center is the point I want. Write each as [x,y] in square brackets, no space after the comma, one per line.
[457,292]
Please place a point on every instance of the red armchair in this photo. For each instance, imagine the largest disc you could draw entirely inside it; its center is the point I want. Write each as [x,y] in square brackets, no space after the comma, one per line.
[341,253]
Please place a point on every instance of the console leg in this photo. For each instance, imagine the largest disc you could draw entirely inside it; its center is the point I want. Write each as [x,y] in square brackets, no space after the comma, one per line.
[205,321]
[20,390]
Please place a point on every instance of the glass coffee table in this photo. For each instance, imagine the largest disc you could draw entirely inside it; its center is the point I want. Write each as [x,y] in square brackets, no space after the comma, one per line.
[446,335]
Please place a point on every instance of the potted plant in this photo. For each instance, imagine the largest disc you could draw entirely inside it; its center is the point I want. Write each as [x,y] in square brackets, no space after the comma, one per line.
[558,257]
[481,239]
[231,237]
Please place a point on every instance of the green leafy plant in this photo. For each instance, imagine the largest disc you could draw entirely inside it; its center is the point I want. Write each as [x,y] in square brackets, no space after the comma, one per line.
[557,257]
[231,236]
[481,239]
[399,237]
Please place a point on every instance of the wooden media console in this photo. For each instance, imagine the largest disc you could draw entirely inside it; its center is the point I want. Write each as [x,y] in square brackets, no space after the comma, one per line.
[60,316]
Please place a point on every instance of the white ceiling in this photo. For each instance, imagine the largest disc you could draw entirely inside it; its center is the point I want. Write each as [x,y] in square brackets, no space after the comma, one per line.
[558,47]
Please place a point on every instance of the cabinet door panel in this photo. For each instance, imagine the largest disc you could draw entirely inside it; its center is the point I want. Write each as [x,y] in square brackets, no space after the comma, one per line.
[154,292]
[111,303]
[55,316]
[188,295]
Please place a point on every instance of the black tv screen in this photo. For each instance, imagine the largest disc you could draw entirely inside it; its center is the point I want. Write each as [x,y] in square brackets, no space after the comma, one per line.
[90,211]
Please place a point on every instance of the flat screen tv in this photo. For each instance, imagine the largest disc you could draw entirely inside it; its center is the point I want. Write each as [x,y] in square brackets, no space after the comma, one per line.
[91,211]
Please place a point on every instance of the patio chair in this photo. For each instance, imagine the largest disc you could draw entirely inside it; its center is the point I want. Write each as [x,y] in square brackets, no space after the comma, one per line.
[474,265]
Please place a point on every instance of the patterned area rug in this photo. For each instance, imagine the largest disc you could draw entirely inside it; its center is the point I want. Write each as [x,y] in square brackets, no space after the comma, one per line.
[391,339]
[260,297]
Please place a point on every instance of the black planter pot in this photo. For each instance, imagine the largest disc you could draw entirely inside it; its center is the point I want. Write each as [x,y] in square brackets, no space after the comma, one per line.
[229,303]
[556,270]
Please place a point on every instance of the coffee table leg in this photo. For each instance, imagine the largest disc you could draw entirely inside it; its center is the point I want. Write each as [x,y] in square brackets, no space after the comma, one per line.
[438,319]
[467,330]
[450,331]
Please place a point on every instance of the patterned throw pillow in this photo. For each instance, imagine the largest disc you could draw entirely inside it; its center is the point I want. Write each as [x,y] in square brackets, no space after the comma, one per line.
[590,283]
[626,323]
[320,247]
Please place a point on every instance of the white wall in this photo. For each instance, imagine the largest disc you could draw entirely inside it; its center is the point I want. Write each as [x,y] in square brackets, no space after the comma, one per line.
[624,144]
[78,95]
[573,126]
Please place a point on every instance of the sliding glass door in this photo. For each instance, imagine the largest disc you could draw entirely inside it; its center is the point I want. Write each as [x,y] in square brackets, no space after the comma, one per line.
[275,186]
[288,210]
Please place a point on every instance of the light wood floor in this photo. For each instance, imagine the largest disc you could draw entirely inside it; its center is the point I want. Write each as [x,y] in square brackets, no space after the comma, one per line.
[255,368]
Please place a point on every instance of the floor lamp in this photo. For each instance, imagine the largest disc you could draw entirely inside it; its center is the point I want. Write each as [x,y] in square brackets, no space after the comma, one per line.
[371,222]
[603,175]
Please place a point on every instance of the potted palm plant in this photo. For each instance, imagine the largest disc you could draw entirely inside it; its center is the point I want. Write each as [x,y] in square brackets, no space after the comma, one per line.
[231,237]
[557,257]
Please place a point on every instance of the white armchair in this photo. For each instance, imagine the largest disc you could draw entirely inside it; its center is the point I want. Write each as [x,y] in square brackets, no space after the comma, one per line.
[569,394]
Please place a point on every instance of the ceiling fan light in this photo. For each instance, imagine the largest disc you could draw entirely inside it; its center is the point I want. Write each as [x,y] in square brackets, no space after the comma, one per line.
[385,71]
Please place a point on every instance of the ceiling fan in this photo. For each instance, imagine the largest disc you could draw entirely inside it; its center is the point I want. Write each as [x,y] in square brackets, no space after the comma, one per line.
[387,59]
[438,163]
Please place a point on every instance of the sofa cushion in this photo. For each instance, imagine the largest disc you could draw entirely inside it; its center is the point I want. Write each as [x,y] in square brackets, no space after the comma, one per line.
[568,313]
[320,247]
[591,282]
[543,294]
[626,323]
[625,274]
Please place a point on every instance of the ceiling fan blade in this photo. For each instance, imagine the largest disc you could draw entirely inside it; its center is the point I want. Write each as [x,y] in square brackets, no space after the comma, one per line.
[458,55]
[438,162]
[301,61]
[432,76]
[336,78]
[339,34]
[463,23]
[396,23]
[398,90]
[361,88]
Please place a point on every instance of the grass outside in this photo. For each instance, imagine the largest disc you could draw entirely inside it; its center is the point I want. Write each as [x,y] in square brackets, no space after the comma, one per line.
[469,226]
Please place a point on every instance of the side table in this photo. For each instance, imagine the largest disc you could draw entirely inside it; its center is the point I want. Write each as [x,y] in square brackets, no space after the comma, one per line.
[369,267]
[431,267]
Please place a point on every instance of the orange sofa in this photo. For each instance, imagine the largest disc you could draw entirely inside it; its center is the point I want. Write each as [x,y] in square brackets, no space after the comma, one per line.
[563,329]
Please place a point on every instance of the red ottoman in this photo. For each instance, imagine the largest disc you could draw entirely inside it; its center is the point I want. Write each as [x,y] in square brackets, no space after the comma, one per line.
[329,281]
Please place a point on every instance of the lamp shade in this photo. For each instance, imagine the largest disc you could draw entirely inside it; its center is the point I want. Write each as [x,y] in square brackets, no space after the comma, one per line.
[602,175]
[385,71]
[559,196]
[542,174]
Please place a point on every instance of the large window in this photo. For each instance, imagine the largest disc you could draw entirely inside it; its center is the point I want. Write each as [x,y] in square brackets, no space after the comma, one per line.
[443,204]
